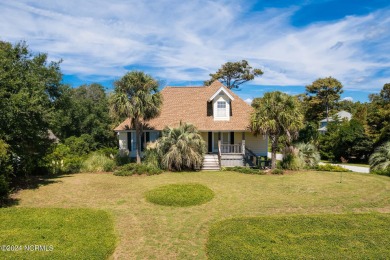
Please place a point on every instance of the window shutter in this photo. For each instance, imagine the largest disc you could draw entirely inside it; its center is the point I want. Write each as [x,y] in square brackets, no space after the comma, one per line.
[231,137]
[210,142]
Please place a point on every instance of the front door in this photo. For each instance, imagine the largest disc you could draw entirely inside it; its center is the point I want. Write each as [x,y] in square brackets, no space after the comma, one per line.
[225,139]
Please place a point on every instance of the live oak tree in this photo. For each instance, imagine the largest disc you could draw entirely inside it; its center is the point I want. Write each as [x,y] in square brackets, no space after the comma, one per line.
[136,97]
[321,97]
[233,74]
[276,114]
[29,86]
[84,110]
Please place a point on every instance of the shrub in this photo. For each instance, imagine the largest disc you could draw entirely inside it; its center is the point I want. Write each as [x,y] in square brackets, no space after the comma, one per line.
[382,172]
[80,145]
[97,162]
[291,159]
[133,168]
[122,157]
[4,188]
[245,170]
[331,168]
[110,152]
[152,156]
[308,154]
[181,148]
[277,171]
[299,157]
[380,159]
[180,195]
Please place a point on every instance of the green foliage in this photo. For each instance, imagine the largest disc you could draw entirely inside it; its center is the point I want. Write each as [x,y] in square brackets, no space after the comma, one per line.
[5,164]
[331,168]
[80,145]
[84,110]
[309,133]
[378,118]
[345,140]
[29,86]
[4,188]
[277,171]
[72,233]
[292,162]
[137,98]
[245,170]
[180,195]
[340,236]
[68,157]
[110,152]
[97,162]
[152,156]
[137,169]
[276,114]
[308,154]
[181,148]
[123,158]
[380,159]
[233,74]
[385,172]
[321,97]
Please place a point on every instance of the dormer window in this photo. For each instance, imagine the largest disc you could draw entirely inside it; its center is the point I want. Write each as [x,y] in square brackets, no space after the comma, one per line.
[221,104]
[221,109]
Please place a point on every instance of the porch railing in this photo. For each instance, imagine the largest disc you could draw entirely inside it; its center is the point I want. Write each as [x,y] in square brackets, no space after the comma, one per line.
[231,148]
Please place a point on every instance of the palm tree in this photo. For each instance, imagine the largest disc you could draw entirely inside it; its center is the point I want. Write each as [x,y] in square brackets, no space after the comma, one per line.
[380,159]
[276,114]
[308,154]
[181,148]
[136,97]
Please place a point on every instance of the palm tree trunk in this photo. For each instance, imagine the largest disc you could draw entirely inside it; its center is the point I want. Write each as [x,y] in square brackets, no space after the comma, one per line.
[138,142]
[274,146]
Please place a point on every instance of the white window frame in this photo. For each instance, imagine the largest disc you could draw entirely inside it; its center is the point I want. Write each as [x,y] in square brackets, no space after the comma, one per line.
[221,111]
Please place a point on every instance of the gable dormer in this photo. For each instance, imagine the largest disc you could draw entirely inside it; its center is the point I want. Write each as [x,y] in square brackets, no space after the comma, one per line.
[221,103]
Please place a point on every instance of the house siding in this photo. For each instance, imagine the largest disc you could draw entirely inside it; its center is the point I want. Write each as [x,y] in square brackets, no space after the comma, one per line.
[256,144]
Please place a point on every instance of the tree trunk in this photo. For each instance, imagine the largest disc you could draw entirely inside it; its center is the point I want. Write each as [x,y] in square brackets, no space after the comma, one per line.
[274,146]
[138,142]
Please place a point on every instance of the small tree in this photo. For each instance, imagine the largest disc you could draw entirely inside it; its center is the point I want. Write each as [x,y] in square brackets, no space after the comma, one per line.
[276,114]
[380,159]
[136,97]
[233,74]
[181,148]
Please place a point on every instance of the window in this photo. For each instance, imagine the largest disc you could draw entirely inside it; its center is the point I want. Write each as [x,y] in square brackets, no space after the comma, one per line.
[221,109]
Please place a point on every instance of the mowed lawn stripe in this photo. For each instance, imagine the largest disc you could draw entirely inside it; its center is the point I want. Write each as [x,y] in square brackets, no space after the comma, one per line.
[41,233]
[342,236]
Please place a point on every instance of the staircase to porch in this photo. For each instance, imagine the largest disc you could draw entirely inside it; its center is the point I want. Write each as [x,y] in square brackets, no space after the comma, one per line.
[210,162]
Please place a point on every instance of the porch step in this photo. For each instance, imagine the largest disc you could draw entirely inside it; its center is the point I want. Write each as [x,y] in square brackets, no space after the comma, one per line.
[210,162]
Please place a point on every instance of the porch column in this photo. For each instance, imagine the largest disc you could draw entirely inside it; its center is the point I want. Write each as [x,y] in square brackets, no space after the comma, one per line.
[243,143]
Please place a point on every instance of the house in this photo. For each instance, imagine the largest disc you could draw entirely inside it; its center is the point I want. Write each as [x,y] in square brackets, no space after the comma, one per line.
[342,115]
[221,117]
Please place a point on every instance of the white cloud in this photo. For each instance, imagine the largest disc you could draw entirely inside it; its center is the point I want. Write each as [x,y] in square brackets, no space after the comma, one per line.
[178,40]
[249,100]
[347,99]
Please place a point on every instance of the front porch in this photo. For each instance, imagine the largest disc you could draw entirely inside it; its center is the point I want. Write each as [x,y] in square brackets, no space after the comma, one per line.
[233,148]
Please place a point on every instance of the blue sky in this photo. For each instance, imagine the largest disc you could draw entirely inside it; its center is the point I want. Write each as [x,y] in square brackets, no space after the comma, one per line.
[181,42]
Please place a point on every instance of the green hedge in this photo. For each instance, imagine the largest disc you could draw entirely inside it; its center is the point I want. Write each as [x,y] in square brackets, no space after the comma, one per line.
[331,168]
[138,169]
[245,170]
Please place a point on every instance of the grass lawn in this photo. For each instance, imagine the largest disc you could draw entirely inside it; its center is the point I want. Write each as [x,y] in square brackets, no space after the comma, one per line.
[35,233]
[180,195]
[345,236]
[149,231]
